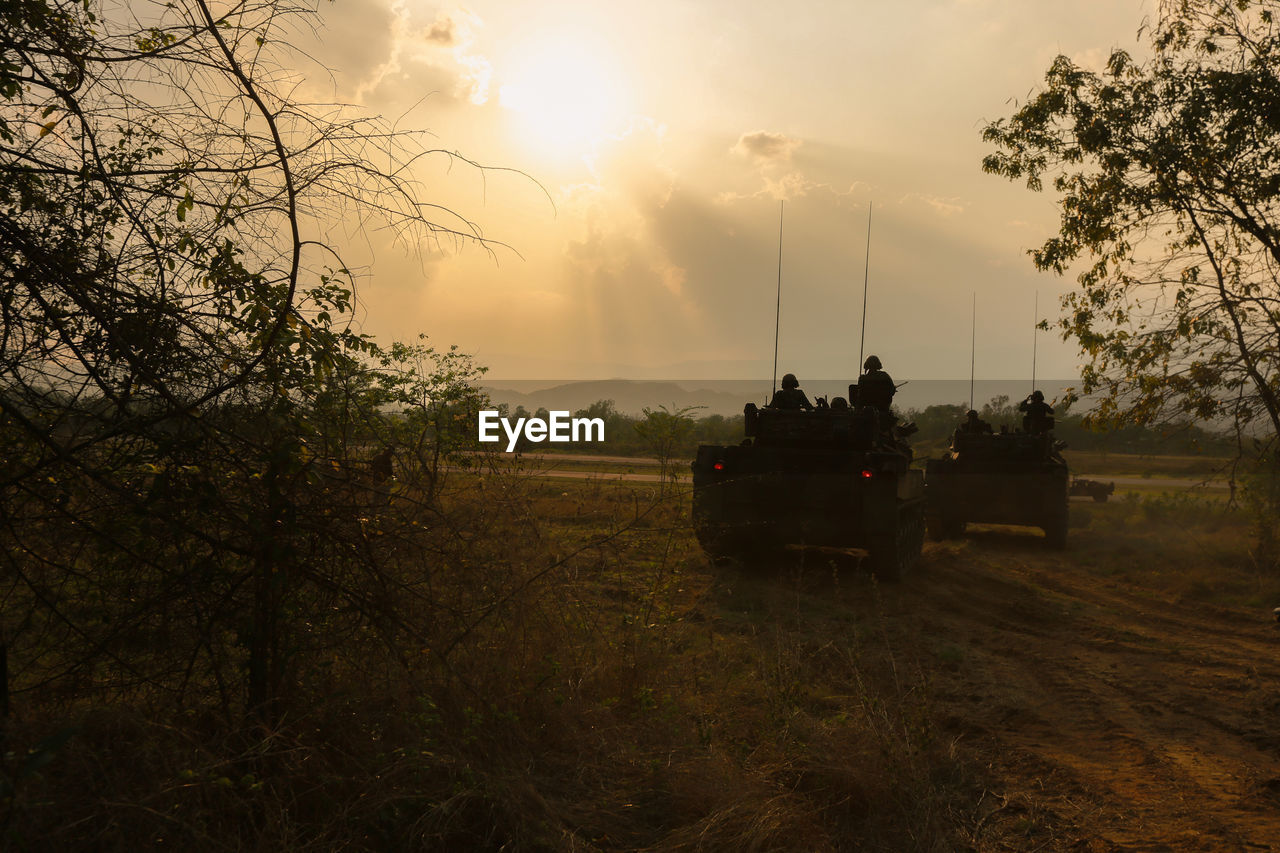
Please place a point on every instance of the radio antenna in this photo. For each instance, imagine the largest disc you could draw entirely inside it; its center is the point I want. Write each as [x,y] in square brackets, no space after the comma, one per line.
[1035,331]
[973,346]
[777,315]
[866,277]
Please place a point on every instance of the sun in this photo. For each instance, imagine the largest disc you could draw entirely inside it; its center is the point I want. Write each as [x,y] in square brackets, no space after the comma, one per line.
[566,95]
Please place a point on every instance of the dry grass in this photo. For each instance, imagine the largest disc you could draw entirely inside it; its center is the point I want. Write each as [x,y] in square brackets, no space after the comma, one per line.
[1193,546]
[1140,465]
[626,696]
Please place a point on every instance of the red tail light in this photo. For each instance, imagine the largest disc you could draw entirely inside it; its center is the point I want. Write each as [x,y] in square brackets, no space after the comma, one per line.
[719,466]
[867,475]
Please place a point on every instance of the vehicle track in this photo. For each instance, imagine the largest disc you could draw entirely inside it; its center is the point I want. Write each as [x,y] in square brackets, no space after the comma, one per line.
[1111,718]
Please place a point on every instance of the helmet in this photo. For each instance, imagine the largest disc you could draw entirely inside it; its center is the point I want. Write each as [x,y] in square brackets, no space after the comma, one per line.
[790,381]
[972,414]
[872,363]
[1037,396]
[839,404]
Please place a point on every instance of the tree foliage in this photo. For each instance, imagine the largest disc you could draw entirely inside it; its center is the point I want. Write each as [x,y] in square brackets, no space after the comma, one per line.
[1168,175]
[188,502]
[666,431]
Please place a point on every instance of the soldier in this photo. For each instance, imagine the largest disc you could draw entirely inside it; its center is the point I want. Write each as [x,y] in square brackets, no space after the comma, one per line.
[839,404]
[1037,414]
[790,397]
[875,387]
[974,424]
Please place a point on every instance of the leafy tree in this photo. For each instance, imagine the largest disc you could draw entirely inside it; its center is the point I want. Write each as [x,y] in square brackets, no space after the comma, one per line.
[1168,176]
[603,409]
[666,431]
[936,422]
[438,395]
[188,416]
[998,410]
[717,429]
[619,436]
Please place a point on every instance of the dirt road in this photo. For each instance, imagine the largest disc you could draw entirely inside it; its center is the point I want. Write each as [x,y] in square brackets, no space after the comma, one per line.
[1112,718]
[548,465]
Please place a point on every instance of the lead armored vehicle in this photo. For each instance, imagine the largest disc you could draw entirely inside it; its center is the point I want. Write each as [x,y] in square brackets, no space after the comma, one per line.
[1002,478]
[829,478]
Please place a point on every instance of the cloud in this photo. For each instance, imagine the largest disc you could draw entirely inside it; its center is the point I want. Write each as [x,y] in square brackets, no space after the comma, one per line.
[635,299]
[794,185]
[762,145]
[614,212]
[418,56]
[780,173]
[633,164]
[351,41]
[476,70]
[1092,59]
[942,206]
[476,76]
[443,31]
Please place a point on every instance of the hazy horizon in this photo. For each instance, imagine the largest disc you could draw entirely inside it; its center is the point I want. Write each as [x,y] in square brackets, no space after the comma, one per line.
[728,396]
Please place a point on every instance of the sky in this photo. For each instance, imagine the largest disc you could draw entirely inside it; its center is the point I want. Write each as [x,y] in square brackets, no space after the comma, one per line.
[641,156]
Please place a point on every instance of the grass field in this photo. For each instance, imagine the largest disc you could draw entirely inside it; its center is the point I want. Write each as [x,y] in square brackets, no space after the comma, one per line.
[1213,471]
[634,696]
[1186,467]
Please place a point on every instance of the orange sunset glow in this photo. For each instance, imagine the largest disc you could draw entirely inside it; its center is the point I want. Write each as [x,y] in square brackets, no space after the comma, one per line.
[656,142]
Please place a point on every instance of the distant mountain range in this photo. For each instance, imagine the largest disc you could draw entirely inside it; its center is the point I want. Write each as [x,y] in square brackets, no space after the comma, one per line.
[727,396]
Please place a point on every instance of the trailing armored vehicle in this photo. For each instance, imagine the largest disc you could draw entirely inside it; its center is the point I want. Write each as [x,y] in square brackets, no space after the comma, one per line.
[1001,478]
[1092,489]
[829,478]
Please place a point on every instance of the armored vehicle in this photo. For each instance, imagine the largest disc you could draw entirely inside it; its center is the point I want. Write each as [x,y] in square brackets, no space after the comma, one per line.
[1092,489]
[834,477]
[1001,478]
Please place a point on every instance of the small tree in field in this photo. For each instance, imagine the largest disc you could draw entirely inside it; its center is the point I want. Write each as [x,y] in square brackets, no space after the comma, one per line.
[667,433]
[439,400]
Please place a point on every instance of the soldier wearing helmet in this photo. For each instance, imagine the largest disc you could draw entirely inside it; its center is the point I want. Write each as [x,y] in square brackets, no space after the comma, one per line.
[875,387]
[790,396]
[1037,414]
[974,424]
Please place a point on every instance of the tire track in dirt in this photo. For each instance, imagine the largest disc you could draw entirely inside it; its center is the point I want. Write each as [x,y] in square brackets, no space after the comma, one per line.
[1126,721]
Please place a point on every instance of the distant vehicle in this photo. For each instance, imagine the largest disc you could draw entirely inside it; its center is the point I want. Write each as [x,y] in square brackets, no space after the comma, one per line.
[835,477]
[1002,478]
[1091,488]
